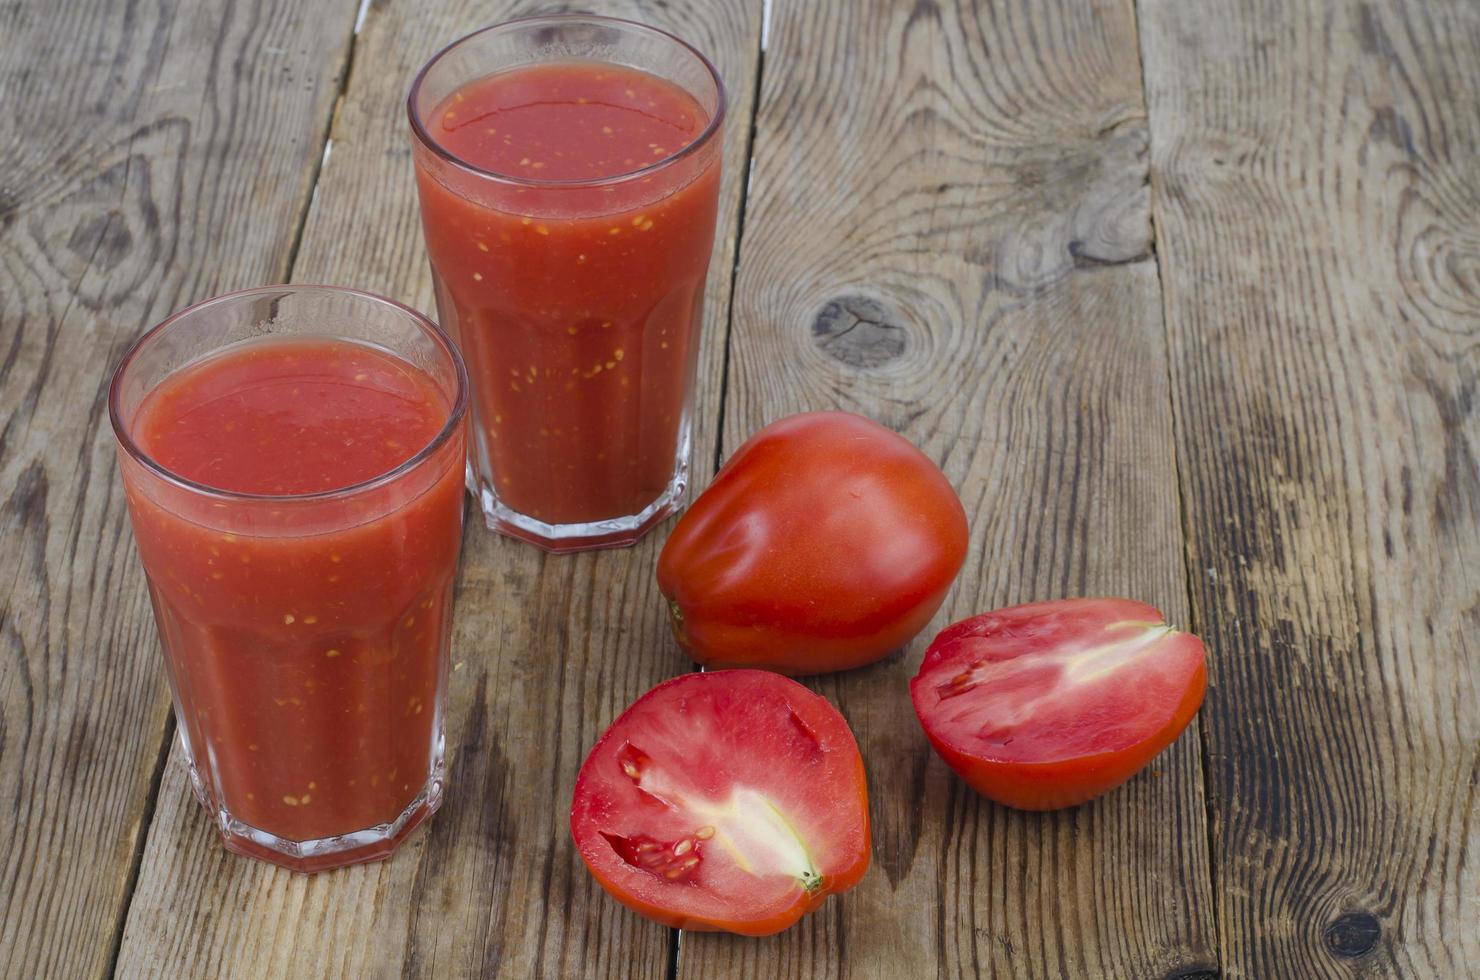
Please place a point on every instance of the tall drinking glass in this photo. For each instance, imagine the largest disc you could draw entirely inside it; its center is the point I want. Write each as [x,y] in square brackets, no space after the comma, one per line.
[569,171]
[292,457]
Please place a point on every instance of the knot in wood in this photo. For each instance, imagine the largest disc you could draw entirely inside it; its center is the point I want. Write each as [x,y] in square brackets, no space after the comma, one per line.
[860,331]
[1353,934]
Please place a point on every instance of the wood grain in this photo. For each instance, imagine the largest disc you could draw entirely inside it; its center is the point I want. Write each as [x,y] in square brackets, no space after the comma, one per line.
[548,650]
[949,231]
[152,155]
[1317,188]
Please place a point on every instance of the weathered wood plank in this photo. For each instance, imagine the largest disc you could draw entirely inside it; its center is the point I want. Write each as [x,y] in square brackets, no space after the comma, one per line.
[1317,183]
[548,650]
[966,188]
[152,155]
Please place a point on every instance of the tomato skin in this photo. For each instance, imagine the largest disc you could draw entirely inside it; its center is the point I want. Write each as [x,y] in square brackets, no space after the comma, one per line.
[824,543]
[1060,777]
[759,731]
[784,919]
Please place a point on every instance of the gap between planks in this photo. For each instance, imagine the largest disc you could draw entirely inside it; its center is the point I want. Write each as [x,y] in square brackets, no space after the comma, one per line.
[1183,511]
[362,8]
[675,936]
[141,841]
[156,780]
[749,155]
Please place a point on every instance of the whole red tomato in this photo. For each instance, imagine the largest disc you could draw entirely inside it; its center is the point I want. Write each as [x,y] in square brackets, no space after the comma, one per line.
[825,542]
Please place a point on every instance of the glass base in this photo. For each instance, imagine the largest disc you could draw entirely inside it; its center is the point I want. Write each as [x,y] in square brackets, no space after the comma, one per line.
[618,532]
[325,853]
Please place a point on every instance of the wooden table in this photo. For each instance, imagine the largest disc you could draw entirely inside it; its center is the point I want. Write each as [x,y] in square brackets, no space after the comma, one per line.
[1183,294]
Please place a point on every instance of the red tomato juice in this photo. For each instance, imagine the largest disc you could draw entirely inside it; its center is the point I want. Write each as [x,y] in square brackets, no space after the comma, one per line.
[304,638]
[574,292]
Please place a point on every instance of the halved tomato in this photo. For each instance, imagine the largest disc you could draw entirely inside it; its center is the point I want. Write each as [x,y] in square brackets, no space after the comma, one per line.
[732,800]
[1050,704]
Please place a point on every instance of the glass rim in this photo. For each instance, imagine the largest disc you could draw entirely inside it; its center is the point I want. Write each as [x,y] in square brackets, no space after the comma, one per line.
[705,137]
[136,452]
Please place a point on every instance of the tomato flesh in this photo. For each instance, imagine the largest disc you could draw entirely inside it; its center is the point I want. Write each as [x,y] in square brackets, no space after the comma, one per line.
[825,542]
[730,800]
[1051,704]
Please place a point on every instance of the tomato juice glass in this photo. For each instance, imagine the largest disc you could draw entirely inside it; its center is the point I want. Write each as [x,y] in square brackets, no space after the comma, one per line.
[292,458]
[569,169]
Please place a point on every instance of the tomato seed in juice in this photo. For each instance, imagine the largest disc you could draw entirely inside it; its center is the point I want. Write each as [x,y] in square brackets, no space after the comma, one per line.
[290,417]
[306,657]
[576,307]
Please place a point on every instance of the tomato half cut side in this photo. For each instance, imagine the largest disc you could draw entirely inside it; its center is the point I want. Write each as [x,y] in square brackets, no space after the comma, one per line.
[731,800]
[1050,704]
